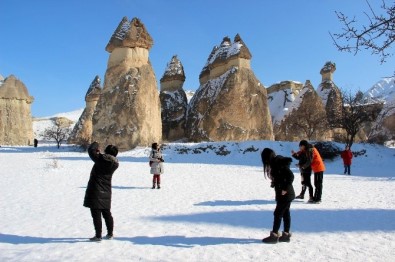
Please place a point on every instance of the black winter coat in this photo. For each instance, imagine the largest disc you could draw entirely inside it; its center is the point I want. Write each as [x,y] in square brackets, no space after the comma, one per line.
[282,178]
[303,159]
[98,191]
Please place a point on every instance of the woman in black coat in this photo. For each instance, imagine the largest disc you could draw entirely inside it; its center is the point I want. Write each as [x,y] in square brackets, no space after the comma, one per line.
[98,191]
[277,168]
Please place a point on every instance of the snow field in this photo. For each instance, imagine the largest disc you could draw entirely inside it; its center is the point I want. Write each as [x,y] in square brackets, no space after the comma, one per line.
[210,208]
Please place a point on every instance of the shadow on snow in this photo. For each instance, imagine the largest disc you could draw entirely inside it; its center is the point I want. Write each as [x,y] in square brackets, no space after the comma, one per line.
[303,220]
[15,239]
[235,203]
[186,242]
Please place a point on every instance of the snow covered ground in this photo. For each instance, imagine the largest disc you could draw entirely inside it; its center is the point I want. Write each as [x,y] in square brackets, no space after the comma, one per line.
[214,205]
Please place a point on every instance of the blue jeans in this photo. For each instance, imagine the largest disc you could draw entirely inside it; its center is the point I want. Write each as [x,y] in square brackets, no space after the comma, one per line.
[347,169]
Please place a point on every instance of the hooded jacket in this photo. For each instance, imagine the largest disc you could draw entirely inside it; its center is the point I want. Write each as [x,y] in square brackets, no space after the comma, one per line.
[282,178]
[98,192]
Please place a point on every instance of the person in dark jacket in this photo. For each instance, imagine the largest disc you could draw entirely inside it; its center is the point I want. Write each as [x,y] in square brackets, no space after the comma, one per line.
[277,168]
[305,173]
[98,191]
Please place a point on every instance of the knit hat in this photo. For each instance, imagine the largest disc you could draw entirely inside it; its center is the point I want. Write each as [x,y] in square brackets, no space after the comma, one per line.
[111,150]
[303,143]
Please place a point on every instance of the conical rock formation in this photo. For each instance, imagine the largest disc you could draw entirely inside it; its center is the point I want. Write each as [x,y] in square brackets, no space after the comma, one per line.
[231,103]
[173,101]
[16,126]
[82,132]
[330,93]
[128,111]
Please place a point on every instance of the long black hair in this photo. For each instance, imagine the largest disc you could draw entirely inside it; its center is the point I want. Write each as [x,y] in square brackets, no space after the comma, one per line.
[267,156]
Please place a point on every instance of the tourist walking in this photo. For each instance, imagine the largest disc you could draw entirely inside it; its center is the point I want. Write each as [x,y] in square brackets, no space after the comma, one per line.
[305,174]
[346,155]
[314,161]
[156,164]
[98,191]
[277,168]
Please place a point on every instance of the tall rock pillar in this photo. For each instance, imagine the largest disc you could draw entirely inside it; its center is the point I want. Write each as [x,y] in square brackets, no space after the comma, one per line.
[16,126]
[330,93]
[82,132]
[128,111]
[173,101]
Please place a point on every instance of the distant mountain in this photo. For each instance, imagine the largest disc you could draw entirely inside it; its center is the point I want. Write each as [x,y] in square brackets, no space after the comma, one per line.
[384,90]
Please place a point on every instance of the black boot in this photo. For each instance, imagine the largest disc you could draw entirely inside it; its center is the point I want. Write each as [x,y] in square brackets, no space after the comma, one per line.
[272,239]
[153,186]
[300,196]
[158,186]
[285,237]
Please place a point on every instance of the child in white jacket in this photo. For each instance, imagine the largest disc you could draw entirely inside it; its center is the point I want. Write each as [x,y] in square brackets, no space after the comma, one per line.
[156,163]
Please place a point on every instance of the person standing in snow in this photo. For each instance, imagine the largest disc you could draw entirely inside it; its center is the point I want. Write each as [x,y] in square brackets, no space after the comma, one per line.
[98,191]
[314,161]
[156,163]
[277,168]
[305,173]
[347,158]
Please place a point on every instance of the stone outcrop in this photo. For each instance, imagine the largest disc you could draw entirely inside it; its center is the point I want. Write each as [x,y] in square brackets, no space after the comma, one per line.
[173,101]
[82,132]
[230,104]
[281,97]
[128,111]
[305,117]
[15,113]
[330,93]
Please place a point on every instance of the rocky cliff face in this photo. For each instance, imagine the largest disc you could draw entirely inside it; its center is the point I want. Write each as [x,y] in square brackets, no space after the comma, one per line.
[15,114]
[82,132]
[173,101]
[280,97]
[305,117]
[230,104]
[128,111]
[330,93]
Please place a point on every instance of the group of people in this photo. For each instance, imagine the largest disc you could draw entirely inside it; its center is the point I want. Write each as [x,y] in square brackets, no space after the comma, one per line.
[276,168]
[98,191]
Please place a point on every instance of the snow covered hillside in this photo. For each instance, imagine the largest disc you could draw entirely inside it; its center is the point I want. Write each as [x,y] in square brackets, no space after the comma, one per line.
[42,123]
[383,90]
[214,205]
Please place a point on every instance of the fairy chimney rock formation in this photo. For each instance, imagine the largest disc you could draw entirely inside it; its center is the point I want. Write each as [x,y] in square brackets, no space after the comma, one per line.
[16,126]
[231,103]
[224,57]
[173,101]
[330,93]
[128,111]
[82,132]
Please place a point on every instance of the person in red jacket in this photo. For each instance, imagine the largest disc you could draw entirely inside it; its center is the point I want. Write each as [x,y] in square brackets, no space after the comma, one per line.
[347,157]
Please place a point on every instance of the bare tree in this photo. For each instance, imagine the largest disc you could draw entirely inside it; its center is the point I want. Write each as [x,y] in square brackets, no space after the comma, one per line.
[355,114]
[58,132]
[311,122]
[377,35]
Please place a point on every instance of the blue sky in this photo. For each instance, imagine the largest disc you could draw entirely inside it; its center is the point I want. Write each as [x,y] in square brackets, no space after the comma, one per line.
[57,47]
